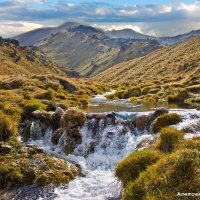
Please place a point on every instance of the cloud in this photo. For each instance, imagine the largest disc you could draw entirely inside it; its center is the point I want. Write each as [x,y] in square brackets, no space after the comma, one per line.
[159,19]
[12,28]
[110,27]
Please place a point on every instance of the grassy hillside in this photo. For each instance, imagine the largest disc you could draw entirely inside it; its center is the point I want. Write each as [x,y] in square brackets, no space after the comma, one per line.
[17,60]
[180,60]
[171,74]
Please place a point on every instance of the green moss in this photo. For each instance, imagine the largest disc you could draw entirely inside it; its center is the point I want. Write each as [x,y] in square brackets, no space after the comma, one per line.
[130,168]
[164,121]
[169,139]
[177,172]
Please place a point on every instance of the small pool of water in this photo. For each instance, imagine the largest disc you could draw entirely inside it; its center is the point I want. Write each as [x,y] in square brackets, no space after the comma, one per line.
[100,104]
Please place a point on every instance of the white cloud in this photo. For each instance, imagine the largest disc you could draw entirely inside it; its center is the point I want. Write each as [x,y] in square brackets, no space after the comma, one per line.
[9,29]
[118,27]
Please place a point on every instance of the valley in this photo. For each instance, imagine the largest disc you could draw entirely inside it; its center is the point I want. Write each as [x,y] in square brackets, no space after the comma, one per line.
[88,114]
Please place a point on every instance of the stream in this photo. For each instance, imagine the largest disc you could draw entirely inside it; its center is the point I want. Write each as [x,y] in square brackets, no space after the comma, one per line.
[103,145]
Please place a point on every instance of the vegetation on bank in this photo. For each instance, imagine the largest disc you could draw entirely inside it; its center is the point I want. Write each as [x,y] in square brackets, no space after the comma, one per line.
[182,91]
[172,167]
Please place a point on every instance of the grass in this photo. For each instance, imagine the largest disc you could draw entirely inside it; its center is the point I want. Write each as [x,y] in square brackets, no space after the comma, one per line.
[169,139]
[164,121]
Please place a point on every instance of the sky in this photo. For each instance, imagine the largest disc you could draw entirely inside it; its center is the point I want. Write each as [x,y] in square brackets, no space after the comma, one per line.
[155,17]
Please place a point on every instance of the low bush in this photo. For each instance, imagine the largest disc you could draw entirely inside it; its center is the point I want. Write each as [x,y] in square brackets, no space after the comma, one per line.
[169,139]
[130,168]
[164,121]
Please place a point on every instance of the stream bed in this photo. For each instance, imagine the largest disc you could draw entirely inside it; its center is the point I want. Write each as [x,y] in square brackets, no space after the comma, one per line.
[103,145]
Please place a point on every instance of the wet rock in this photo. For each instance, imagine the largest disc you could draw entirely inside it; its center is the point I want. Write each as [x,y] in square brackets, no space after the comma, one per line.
[159,112]
[141,122]
[25,130]
[43,116]
[57,135]
[36,130]
[56,118]
[146,142]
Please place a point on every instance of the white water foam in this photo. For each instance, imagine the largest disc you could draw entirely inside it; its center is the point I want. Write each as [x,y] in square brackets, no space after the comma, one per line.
[111,144]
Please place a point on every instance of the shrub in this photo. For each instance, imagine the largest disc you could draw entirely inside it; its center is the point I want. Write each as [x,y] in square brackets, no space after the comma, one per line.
[177,172]
[73,117]
[164,121]
[134,92]
[8,127]
[145,90]
[49,95]
[179,97]
[169,138]
[130,168]
[31,106]
[53,85]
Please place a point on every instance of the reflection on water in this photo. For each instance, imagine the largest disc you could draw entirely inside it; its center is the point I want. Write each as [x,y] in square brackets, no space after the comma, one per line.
[100,104]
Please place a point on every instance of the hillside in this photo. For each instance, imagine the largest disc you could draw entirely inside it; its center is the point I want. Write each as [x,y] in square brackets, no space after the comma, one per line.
[172,62]
[86,49]
[17,60]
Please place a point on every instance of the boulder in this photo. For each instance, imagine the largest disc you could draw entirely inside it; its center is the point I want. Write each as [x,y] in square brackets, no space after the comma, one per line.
[159,112]
[5,148]
[141,122]
[57,135]
[146,142]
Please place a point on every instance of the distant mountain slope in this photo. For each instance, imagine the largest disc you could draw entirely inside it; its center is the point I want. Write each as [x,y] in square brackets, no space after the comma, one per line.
[16,60]
[128,34]
[89,51]
[174,61]
[85,49]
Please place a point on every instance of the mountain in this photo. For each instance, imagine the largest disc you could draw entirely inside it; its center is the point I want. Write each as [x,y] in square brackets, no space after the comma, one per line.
[88,51]
[85,49]
[180,60]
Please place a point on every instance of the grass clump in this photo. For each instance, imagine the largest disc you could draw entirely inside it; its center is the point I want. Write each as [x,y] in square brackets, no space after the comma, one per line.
[134,92]
[73,117]
[178,97]
[164,121]
[130,168]
[169,138]
[8,127]
[32,105]
[177,172]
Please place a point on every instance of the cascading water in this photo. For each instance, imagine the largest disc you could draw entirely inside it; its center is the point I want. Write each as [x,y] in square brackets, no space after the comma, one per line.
[106,139]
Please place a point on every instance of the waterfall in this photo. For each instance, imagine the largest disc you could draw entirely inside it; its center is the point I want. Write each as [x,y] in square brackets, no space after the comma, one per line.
[106,139]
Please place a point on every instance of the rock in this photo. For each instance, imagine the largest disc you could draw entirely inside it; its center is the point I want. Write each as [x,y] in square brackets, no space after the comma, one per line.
[43,116]
[59,111]
[141,122]
[159,112]
[57,135]
[56,118]
[5,148]
[36,130]
[146,142]
[25,130]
